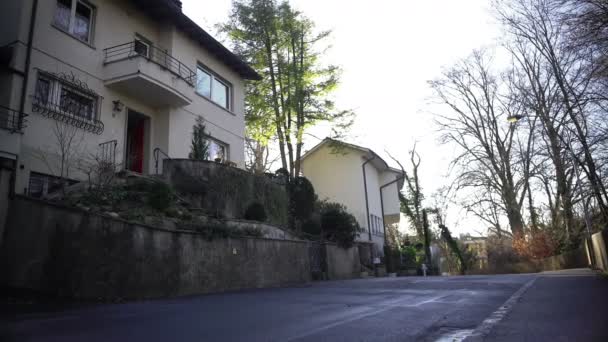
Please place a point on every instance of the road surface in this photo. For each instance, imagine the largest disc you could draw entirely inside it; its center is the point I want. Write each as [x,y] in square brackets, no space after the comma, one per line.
[566,306]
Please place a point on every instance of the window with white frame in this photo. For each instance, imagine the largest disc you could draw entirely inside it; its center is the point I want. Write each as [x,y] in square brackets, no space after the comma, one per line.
[217,150]
[212,87]
[57,96]
[376,225]
[76,18]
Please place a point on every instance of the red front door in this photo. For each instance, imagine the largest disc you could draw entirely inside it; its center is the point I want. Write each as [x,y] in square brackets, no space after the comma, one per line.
[136,133]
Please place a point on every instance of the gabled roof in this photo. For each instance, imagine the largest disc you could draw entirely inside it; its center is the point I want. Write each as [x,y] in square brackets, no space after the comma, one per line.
[171,10]
[376,160]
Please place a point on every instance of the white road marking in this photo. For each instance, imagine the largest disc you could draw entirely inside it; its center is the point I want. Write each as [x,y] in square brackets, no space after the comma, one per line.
[486,326]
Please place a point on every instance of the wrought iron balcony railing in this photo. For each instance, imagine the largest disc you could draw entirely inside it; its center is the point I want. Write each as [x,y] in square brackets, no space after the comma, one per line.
[12,120]
[152,53]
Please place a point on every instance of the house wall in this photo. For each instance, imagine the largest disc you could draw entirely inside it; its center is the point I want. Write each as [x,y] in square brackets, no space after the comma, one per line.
[116,22]
[339,178]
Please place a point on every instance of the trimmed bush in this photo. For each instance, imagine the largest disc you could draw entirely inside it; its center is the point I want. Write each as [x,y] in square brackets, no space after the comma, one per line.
[255,212]
[339,225]
[160,196]
[302,198]
[311,227]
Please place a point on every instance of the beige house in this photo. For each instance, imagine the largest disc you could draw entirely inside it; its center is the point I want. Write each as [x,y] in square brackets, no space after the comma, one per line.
[361,180]
[131,76]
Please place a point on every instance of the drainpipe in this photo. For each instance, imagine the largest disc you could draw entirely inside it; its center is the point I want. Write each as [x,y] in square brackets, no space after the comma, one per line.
[28,60]
[369,227]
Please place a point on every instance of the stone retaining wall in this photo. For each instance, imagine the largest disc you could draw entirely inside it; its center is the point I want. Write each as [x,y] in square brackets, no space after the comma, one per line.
[73,253]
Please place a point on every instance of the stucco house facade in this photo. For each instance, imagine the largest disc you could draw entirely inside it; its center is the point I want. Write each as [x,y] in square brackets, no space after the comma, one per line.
[131,76]
[361,180]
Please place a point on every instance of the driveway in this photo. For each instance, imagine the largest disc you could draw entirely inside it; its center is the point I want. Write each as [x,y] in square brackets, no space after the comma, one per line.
[505,307]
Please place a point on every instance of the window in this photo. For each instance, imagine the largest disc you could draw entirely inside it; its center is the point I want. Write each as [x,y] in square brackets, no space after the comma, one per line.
[217,150]
[213,88]
[65,99]
[75,17]
[373,223]
[41,185]
[376,223]
[142,48]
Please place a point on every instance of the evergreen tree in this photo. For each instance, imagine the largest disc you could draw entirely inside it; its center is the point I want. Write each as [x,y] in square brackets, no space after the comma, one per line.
[200,145]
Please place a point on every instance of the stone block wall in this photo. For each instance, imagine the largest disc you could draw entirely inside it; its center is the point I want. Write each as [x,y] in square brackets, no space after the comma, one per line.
[225,191]
[68,252]
[342,263]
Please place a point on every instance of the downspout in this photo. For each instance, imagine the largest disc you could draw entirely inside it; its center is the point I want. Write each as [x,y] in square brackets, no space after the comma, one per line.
[28,60]
[382,201]
[369,227]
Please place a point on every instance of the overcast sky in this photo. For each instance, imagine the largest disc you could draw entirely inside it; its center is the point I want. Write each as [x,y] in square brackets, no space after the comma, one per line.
[388,50]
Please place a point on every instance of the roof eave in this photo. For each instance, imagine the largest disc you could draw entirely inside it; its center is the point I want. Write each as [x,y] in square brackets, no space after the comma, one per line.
[165,9]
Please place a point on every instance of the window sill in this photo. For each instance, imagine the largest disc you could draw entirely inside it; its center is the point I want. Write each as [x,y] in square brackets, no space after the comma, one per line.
[73,37]
[215,104]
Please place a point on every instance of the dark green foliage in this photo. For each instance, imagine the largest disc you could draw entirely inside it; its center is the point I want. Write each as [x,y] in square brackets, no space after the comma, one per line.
[311,227]
[447,236]
[302,199]
[200,145]
[160,196]
[409,257]
[255,212]
[392,259]
[427,238]
[339,225]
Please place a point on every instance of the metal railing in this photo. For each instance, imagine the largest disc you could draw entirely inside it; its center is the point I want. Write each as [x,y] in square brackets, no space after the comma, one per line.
[152,53]
[73,103]
[107,151]
[157,152]
[12,120]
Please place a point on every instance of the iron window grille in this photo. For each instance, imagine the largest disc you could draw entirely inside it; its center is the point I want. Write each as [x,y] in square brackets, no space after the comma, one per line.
[64,98]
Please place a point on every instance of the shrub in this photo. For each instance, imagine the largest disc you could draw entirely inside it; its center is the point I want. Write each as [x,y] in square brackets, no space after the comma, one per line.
[311,227]
[255,212]
[409,256]
[159,195]
[339,225]
[302,199]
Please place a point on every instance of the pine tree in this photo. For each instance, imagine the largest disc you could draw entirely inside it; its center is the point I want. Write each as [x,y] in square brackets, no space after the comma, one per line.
[200,145]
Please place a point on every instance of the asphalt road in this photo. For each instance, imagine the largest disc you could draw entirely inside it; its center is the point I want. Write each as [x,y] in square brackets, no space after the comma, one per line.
[569,306]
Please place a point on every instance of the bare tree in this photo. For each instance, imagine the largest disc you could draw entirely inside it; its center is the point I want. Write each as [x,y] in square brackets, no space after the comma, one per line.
[411,199]
[65,153]
[537,22]
[258,155]
[477,122]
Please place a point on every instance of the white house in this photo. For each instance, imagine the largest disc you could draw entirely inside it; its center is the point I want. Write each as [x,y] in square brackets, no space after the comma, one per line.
[361,180]
[131,75]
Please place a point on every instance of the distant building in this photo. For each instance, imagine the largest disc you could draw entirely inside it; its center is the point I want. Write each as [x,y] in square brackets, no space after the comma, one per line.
[360,179]
[479,247]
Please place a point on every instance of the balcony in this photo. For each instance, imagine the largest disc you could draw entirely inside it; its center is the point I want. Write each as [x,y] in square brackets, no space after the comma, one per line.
[148,73]
[11,120]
